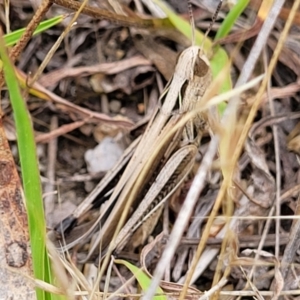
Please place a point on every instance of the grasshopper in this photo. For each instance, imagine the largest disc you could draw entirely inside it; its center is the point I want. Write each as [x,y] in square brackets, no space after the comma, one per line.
[155,166]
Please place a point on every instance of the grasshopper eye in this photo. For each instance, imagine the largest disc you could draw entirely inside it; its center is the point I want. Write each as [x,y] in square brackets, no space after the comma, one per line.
[200,67]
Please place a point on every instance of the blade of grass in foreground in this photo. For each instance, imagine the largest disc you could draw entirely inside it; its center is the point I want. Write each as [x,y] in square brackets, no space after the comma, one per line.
[30,176]
[11,38]
[142,278]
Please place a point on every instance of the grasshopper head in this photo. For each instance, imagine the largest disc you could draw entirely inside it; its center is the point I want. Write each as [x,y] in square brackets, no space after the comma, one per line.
[192,62]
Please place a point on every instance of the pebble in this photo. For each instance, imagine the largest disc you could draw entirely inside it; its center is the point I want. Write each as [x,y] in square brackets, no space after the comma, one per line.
[104,156]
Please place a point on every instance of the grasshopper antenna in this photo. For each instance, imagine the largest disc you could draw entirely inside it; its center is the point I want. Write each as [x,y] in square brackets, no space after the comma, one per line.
[213,20]
[190,8]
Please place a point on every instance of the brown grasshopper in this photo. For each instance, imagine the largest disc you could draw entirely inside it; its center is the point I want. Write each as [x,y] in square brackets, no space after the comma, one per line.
[155,166]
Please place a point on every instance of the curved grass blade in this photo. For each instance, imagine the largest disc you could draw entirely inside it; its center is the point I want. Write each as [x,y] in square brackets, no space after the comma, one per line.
[142,278]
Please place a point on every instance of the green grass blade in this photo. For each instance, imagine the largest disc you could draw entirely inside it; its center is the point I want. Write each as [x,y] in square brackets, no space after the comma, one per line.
[230,19]
[142,278]
[30,176]
[183,26]
[11,38]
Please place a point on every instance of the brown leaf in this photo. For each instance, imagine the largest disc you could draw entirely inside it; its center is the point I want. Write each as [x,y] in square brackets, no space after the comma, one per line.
[74,110]
[161,56]
[54,77]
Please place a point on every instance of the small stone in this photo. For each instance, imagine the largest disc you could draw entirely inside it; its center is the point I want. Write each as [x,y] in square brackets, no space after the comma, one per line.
[104,156]
[115,106]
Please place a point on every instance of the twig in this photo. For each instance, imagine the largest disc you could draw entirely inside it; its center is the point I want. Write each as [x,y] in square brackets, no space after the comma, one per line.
[278,170]
[35,21]
[106,15]
[215,288]
[56,45]
[21,44]
[52,150]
